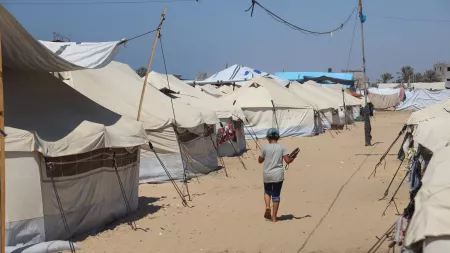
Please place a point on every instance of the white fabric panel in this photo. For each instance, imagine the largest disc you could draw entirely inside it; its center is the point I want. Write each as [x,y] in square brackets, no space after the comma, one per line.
[433,111]
[22,51]
[118,88]
[419,99]
[193,96]
[91,200]
[48,116]
[239,72]
[23,187]
[385,91]
[432,202]
[291,122]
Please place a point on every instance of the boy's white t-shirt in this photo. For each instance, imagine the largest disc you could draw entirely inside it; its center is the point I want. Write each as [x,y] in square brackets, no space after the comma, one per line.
[273,162]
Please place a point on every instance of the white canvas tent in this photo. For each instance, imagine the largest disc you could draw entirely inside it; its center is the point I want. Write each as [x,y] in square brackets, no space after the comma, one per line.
[329,108]
[118,88]
[49,121]
[240,72]
[53,132]
[227,113]
[432,206]
[267,105]
[433,111]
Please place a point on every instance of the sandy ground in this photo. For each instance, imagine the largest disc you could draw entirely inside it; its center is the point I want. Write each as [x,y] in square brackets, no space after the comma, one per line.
[328,204]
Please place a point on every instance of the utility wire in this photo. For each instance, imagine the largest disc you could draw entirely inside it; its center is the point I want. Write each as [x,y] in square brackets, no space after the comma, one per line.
[351,43]
[409,19]
[295,27]
[138,36]
[91,2]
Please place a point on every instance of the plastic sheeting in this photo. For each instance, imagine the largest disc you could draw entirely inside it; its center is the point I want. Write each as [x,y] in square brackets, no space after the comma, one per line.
[22,51]
[240,72]
[420,98]
[384,101]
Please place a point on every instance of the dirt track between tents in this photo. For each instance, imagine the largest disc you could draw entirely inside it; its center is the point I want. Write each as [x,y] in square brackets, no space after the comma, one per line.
[328,204]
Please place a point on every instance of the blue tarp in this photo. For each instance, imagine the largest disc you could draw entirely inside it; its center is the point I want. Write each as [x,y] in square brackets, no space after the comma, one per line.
[294,76]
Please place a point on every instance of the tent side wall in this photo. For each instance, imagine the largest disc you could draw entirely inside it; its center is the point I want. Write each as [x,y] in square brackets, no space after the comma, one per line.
[291,122]
[24,211]
[89,190]
[198,155]
[86,183]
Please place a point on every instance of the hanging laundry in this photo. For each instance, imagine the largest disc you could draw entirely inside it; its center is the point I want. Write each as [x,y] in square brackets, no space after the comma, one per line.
[226,133]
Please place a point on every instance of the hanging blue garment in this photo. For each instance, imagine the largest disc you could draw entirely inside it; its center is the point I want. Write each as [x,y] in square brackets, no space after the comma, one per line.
[363,18]
[415,174]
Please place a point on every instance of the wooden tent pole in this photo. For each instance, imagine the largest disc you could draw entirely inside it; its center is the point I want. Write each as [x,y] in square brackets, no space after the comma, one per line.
[158,32]
[2,157]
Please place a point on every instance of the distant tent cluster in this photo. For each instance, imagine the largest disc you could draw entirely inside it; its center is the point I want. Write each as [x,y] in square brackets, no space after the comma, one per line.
[402,99]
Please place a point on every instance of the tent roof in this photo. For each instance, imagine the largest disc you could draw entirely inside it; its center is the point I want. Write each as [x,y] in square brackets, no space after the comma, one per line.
[118,88]
[318,99]
[228,89]
[46,115]
[439,109]
[194,96]
[333,94]
[240,72]
[22,51]
[261,91]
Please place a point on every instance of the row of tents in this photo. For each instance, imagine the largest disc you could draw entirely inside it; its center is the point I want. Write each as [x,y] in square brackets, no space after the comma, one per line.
[424,226]
[75,153]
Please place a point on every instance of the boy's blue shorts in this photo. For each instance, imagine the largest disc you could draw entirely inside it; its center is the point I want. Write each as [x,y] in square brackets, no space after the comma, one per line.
[273,190]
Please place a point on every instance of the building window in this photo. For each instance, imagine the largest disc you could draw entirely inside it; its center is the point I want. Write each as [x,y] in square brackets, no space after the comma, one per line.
[71,165]
[448,80]
[448,68]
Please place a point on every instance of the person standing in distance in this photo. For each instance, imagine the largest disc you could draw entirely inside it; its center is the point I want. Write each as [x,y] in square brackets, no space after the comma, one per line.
[272,155]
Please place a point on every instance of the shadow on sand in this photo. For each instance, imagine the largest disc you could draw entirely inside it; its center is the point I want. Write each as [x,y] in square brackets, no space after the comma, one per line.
[287,217]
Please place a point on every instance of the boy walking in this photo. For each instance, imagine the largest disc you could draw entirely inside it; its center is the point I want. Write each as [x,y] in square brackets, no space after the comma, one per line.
[273,154]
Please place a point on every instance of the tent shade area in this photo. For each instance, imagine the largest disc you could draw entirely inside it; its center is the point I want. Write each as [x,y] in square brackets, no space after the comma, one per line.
[76,151]
[210,90]
[227,113]
[267,105]
[179,141]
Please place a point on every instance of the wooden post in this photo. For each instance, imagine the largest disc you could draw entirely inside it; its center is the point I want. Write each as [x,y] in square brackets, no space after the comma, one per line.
[163,15]
[2,157]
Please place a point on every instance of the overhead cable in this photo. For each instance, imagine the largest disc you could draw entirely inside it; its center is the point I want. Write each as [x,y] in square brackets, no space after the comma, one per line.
[295,27]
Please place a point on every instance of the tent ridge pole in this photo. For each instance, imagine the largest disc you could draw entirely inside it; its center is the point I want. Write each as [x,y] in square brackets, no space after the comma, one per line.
[150,60]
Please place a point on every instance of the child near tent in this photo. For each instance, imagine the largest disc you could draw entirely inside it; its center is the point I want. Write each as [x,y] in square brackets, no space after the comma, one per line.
[273,154]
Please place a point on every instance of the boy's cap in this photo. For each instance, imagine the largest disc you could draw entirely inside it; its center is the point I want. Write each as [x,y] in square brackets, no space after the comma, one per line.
[273,133]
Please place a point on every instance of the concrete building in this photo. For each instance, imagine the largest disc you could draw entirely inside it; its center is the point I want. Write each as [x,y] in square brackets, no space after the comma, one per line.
[443,71]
